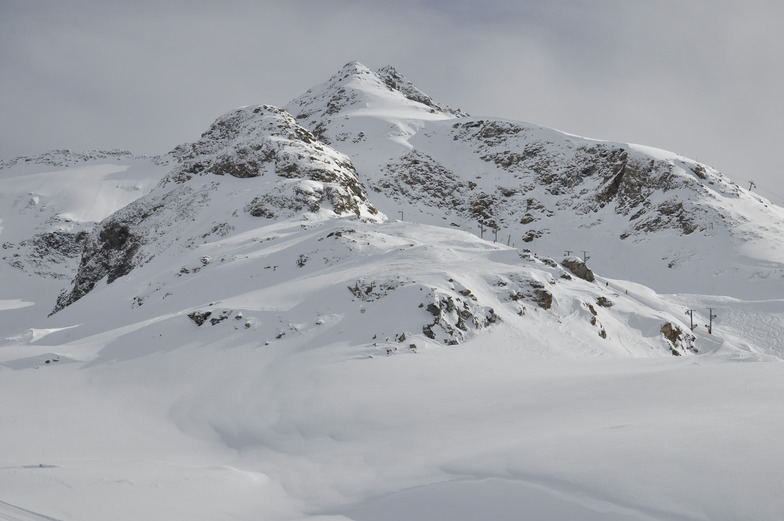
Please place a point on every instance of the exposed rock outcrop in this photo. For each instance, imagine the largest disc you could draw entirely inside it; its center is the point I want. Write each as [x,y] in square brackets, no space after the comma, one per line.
[454,317]
[579,268]
[679,341]
[266,141]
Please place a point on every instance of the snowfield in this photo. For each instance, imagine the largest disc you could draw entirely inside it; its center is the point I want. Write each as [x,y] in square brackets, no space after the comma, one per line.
[251,339]
[241,431]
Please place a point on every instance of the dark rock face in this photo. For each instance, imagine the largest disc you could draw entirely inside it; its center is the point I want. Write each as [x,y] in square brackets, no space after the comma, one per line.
[583,177]
[115,238]
[579,268]
[543,298]
[109,253]
[678,339]
[605,302]
[123,241]
[199,317]
[61,243]
[266,141]
[455,316]
[49,254]
[419,177]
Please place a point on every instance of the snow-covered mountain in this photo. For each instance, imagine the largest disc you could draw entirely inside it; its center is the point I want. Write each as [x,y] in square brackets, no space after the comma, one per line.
[641,213]
[369,305]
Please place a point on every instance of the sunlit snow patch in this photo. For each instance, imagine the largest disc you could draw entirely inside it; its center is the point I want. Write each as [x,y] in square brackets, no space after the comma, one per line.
[33,335]
[6,305]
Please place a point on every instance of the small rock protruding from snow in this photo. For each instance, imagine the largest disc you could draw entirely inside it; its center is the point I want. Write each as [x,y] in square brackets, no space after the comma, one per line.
[578,267]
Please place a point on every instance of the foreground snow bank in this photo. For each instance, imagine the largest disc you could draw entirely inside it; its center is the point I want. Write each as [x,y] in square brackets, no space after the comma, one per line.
[245,432]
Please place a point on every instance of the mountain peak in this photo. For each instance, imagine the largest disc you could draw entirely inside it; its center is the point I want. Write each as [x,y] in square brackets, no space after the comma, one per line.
[354,67]
[356,90]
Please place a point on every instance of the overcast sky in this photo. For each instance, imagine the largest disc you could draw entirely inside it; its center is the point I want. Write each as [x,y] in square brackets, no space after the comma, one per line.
[703,78]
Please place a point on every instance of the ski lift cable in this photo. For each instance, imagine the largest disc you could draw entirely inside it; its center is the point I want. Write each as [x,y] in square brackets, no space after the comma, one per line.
[766,190]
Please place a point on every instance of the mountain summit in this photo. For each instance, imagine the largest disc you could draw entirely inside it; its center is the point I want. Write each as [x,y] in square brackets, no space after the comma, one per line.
[665,220]
[357,91]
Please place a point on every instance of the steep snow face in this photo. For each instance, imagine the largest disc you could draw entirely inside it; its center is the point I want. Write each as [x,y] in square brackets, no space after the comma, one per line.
[255,162]
[641,213]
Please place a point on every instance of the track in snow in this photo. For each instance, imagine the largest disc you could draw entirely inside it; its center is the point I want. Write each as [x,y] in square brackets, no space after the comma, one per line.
[9,512]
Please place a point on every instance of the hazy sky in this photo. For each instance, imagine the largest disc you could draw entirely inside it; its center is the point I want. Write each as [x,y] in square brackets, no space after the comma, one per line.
[703,78]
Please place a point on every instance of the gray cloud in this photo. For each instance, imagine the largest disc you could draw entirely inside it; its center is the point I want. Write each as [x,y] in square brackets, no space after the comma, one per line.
[700,78]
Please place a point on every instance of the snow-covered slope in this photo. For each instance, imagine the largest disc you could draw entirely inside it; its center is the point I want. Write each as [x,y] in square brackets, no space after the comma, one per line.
[380,289]
[245,336]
